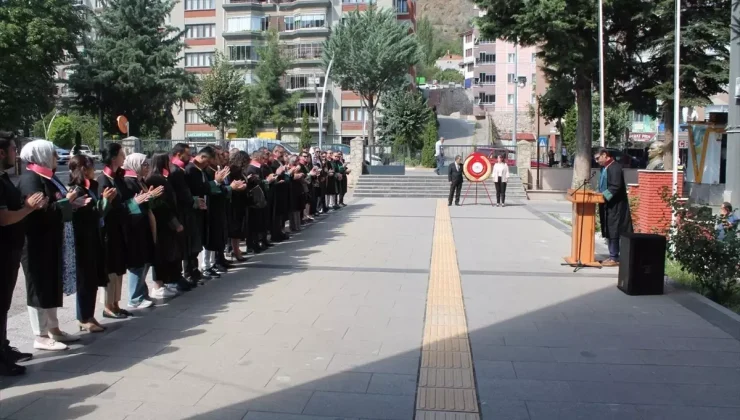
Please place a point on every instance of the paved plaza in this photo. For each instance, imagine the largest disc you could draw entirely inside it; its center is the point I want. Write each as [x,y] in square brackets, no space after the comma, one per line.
[399,309]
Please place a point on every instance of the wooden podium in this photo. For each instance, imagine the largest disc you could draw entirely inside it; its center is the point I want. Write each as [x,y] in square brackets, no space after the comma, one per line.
[584,226]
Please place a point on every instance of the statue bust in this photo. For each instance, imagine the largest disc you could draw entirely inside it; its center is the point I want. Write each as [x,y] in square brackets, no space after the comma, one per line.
[655,156]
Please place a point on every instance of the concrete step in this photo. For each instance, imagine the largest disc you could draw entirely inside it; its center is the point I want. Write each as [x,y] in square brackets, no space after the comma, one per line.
[470,196]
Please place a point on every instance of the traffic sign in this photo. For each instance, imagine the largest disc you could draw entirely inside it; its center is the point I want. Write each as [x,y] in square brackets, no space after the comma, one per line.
[543,141]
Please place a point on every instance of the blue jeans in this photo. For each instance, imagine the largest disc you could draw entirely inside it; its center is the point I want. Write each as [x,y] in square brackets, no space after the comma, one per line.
[440,163]
[614,249]
[137,288]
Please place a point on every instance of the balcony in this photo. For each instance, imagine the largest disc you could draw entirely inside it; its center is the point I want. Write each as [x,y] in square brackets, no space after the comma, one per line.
[241,5]
[479,62]
[298,4]
[293,33]
[249,34]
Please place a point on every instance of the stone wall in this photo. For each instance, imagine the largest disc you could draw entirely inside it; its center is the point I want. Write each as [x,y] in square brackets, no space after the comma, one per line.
[653,215]
[504,121]
[450,100]
[524,161]
[355,161]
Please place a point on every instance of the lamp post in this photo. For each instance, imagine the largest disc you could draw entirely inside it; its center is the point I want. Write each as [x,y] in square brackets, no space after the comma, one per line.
[732,189]
[323,101]
[516,91]
[676,98]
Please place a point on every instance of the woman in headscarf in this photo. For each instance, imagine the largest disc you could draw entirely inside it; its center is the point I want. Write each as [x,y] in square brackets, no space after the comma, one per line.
[140,230]
[168,252]
[48,259]
[88,222]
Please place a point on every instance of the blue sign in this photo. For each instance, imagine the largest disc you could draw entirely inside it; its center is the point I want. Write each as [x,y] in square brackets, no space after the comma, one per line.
[542,141]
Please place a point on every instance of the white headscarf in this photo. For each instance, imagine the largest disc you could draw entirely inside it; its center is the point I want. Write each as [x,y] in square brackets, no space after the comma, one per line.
[39,152]
[133,162]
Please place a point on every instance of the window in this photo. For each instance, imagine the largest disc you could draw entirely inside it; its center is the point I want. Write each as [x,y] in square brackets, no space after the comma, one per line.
[511,78]
[469,38]
[247,23]
[486,79]
[99,4]
[486,99]
[534,79]
[200,4]
[207,30]
[469,52]
[510,99]
[192,117]
[198,59]
[401,6]
[302,81]
[470,67]
[485,58]
[486,41]
[311,108]
[293,23]
[534,58]
[511,57]
[353,114]
[308,51]
[241,53]
[533,99]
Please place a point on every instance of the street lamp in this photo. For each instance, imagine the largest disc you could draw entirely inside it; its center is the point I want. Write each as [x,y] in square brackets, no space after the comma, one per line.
[323,101]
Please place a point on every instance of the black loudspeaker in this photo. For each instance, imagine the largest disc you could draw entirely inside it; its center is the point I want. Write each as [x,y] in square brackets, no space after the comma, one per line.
[642,264]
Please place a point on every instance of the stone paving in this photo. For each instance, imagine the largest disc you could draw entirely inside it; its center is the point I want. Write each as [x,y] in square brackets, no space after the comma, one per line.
[331,326]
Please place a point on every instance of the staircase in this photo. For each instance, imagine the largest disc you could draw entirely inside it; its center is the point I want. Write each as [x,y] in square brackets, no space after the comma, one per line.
[429,186]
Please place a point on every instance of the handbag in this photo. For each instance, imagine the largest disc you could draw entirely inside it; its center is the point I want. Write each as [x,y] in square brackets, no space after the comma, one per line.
[258,198]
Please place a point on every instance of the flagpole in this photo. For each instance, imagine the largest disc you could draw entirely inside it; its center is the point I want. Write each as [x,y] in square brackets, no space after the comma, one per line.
[676,96]
[601,73]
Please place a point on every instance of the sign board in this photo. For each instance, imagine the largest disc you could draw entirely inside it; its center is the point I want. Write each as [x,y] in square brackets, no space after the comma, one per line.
[421,80]
[643,137]
[683,144]
[542,141]
[269,135]
[200,134]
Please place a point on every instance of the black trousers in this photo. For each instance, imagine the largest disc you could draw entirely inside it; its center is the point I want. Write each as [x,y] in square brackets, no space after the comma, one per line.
[86,301]
[10,262]
[455,189]
[167,271]
[500,191]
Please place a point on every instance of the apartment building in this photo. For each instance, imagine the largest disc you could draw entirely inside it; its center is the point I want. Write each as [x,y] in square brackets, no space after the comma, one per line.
[237,28]
[490,68]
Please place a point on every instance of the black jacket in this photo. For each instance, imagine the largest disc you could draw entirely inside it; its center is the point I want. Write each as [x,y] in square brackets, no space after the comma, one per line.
[453,174]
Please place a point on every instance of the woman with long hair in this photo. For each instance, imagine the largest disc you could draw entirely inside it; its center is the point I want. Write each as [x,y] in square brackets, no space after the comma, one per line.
[500,174]
[239,209]
[140,230]
[88,221]
[342,183]
[48,259]
[168,247]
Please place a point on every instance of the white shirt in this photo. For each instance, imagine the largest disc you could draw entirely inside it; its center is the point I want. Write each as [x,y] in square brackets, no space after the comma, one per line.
[438,148]
[500,170]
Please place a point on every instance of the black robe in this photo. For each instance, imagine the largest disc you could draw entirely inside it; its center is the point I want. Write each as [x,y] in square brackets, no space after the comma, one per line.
[90,251]
[42,252]
[168,247]
[281,192]
[331,178]
[200,188]
[185,211]
[115,221]
[139,237]
[238,212]
[258,218]
[217,200]
[341,183]
[615,213]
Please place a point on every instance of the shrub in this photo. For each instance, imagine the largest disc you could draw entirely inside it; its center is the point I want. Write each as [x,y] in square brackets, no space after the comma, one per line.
[429,136]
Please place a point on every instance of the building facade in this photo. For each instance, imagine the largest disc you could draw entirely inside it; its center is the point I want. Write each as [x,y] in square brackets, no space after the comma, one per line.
[490,68]
[237,29]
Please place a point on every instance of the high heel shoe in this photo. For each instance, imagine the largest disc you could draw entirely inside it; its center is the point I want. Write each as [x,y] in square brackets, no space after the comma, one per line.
[238,258]
[91,328]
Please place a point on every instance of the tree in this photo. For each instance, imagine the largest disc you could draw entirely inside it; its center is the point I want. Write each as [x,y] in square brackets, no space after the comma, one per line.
[429,137]
[306,137]
[425,34]
[405,114]
[131,68]
[220,93]
[449,75]
[35,35]
[566,32]
[616,123]
[246,124]
[62,132]
[568,129]
[270,101]
[705,57]
[372,53]
[556,101]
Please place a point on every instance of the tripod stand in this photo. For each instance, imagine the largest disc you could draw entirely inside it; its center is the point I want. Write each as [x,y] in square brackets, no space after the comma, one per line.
[584,206]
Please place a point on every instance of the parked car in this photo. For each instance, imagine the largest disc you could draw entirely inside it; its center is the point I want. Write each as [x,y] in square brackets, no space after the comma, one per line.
[251,144]
[85,150]
[62,155]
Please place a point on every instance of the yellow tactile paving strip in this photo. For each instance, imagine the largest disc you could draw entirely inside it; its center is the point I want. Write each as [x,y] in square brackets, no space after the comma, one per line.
[446,384]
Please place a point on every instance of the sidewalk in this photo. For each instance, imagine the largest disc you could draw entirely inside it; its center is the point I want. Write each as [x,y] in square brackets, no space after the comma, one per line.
[354,318]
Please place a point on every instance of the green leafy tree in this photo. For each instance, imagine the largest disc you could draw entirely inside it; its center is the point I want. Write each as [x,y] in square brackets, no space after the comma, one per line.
[705,57]
[425,34]
[449,75]
[405,114]
[566,32]
[306,137]
[616,122]
[568,129]
[270,101]
[372,53]
[35,35]
[429,137]
[220,93]
[87,126]
[62,132]
[556,101]
[246,124]
[131,68]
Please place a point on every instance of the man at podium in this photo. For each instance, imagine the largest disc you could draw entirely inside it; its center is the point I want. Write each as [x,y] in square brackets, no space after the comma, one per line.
[614,213]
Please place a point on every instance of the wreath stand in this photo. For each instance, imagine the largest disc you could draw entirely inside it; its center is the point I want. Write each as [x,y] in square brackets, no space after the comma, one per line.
[470,183]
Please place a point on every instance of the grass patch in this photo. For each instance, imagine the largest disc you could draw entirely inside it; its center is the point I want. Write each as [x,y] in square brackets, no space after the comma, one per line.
[674,271]
[562,219]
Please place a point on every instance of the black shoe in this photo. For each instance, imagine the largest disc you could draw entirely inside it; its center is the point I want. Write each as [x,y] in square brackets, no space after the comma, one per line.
[183,285]
[195,275]
[342,204]
[449,204]
[8,368]
[458,204]
[115,315]
[15,355]
[192,282]
[212,273]
[220,268]
[336,207]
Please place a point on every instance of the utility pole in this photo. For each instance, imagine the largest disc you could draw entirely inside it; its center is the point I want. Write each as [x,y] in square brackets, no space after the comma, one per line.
[732,185]
[516,91]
